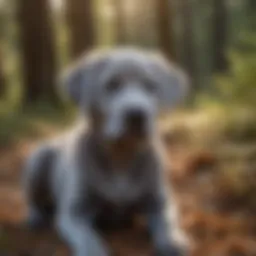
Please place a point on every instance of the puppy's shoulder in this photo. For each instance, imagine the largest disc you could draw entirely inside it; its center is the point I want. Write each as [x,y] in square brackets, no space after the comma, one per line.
[66,140]
[60,149]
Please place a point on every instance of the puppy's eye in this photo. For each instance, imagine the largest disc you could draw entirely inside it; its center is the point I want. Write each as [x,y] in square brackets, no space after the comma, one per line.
[113,85]
[150,87]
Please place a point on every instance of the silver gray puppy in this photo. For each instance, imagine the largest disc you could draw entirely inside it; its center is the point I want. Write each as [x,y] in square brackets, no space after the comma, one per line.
[106,173]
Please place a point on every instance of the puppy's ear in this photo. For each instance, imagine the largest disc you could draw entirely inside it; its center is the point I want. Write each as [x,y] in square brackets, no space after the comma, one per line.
[81,78]
[173,83]
[71,80]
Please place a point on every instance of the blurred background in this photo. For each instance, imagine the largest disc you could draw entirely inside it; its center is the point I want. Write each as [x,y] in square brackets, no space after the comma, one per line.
[211,140]
[213,40]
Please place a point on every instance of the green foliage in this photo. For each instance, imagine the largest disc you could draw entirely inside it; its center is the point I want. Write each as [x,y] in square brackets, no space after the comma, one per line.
[239,85]
[235,91]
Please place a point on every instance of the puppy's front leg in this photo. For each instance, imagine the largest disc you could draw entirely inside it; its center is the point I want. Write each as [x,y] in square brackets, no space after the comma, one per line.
[159,231]
[76,230]
[74,218]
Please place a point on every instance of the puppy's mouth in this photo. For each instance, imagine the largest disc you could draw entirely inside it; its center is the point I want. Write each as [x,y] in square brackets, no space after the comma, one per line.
[132,140]
[136,132]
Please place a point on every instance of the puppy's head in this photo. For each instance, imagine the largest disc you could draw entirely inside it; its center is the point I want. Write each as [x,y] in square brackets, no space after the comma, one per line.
[126,88]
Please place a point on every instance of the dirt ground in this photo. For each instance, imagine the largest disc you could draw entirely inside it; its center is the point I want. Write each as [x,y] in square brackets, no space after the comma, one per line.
[218,222]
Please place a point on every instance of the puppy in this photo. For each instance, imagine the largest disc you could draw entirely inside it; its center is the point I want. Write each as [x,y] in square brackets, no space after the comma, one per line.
[111,170]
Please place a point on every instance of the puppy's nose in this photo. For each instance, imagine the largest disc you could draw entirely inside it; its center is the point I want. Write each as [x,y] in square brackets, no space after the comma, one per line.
[135,118]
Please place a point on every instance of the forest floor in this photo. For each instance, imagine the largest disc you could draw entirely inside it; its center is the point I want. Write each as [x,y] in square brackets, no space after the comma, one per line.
[217,205]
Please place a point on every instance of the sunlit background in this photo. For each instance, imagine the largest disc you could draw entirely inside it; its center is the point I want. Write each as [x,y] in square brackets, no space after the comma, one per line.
[211,141]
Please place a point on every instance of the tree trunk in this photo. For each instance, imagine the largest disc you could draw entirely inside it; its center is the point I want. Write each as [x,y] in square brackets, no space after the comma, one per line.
[189,51]
[220,35]
[251,6]
[165,28]
[38,56]
[189,55]
[81,26]
[251,12]
[2,80]
[120,18]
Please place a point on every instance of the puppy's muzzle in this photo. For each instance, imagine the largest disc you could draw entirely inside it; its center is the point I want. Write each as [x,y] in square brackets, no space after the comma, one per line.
[136,121]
